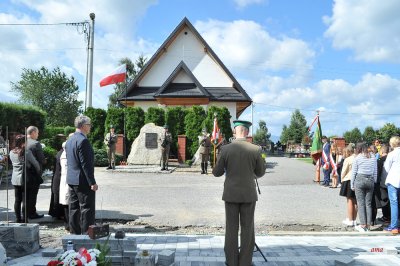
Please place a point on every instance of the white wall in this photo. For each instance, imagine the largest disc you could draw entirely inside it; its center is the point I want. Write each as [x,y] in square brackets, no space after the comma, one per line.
[189,49]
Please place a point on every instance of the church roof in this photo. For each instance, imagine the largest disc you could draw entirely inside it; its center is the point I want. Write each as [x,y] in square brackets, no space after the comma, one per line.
[193,88]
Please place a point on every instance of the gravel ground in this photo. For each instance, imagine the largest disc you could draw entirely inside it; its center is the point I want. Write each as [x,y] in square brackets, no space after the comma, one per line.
[51,233]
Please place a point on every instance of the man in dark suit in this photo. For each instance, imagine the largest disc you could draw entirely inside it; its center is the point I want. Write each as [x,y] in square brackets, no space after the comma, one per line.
[241,162]
[34,177]
[80,178]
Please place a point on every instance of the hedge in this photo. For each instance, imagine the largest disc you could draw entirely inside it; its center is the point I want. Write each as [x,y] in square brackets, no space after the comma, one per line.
[18,117]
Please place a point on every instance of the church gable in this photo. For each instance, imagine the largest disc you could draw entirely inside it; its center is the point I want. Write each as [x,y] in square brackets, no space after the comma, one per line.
[184,69]
[181,83]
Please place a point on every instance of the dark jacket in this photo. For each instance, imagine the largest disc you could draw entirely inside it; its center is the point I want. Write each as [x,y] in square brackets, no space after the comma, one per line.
[241,162]
[80,158]
[36,148]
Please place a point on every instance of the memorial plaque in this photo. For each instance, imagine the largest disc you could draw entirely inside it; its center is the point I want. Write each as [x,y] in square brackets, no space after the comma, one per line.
[151,140]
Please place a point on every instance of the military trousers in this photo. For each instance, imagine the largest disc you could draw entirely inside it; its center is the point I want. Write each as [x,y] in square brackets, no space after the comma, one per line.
[239,214]
[165,154]
[111,155]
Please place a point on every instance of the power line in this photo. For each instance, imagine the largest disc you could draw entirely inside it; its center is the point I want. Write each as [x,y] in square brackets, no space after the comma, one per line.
[323,111]
[39,24]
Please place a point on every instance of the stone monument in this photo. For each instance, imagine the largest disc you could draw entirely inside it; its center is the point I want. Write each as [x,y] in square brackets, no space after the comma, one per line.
[146,149]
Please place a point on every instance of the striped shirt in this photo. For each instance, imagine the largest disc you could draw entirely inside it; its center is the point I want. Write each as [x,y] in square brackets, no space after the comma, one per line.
[366,166]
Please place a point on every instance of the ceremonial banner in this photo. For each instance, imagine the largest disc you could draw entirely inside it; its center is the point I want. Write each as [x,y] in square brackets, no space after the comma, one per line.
[316,148]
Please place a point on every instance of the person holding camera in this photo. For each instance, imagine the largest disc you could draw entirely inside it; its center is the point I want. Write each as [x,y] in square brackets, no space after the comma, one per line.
[166,140]
[111,143]
[241,162]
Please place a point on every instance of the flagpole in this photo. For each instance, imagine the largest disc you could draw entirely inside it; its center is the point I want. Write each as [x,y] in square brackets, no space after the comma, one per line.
[126,105]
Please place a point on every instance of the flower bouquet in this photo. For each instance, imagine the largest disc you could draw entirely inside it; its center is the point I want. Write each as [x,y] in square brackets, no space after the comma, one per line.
[83,257]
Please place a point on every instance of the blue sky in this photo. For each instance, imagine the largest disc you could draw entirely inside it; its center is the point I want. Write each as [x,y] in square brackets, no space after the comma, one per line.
[340,57]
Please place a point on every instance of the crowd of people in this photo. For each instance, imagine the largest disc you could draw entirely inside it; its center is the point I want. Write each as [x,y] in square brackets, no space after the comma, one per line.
[73,183]
[368,177]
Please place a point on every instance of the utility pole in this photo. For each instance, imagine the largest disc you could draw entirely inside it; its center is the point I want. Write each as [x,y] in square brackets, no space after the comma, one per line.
[90,60]
[252,123]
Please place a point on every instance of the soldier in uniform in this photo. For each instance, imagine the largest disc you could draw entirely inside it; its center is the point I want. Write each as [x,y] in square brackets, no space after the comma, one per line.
[166,140]
[205,145]
[241,162]
[111,143]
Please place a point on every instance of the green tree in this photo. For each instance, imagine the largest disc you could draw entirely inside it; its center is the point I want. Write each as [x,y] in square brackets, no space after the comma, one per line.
[353,136]
[175,119]
[369,135]
[193,126]
[132,69]
[387,131]
[284,135]
[298,127]
[223,118]
[262,136]
[53,92]
[134,122]
[115,117]
[155,115]
[296,130]
[97,132]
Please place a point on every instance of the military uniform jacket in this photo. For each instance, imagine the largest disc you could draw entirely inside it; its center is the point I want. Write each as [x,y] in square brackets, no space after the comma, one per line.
[166,140]
[241,162]
[110,140]
[205,144]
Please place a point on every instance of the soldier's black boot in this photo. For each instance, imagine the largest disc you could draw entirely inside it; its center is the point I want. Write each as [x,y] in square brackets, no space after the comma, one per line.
[163,167]
[202,169]
[205,168]
[109,167]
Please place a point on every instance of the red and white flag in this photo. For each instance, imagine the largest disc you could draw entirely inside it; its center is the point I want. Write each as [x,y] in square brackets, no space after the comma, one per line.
[118,75]
[215,133]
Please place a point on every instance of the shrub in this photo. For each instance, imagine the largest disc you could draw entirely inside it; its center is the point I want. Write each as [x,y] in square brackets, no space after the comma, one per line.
[134,122]
[115,117]
[68,130]
[155,115]
[27,116]
[50,132]
[100,157]
[50,155]
[175,119]
[193,122]
[97,132]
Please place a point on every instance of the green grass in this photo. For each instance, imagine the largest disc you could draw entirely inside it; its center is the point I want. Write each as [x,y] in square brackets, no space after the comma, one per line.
[307,160]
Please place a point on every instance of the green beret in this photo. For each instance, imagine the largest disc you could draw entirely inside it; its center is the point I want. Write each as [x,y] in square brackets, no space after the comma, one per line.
[244,123]
[111,126]
[166,126]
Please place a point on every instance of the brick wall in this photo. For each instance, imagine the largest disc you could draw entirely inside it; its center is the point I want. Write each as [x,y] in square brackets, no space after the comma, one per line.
[181,148]
[120,145]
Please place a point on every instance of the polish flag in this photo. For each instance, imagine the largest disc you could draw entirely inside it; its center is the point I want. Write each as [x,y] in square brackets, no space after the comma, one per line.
[118,75]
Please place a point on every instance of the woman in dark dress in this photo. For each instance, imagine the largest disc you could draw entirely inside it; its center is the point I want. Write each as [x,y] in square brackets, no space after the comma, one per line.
[56,210]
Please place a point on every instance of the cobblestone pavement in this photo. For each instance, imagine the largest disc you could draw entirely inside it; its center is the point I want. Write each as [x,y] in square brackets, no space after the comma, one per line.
[194,250]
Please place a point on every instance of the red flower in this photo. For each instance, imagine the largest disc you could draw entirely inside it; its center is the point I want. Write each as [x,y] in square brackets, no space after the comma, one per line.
[53,263]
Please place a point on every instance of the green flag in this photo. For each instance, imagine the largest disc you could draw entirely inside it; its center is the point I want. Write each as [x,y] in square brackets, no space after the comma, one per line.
[316,148]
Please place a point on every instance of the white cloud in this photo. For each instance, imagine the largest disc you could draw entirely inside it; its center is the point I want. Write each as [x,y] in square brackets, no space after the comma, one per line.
[369,27]
[243,3]
[34,46]
[254,49]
